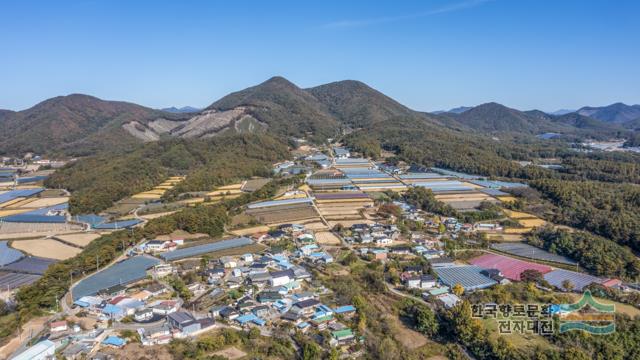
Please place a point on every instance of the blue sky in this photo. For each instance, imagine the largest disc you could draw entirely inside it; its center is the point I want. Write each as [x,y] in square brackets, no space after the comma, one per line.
[428,55]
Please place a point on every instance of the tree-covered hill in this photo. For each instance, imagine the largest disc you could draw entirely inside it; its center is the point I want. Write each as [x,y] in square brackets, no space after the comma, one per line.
[75,124]
[284,107]
[97,182]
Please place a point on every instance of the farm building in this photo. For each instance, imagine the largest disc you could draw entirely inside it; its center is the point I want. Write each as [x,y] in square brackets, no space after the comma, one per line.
[532,252]
[509,267]
[206,248]
[578,280]
[124,272]
[8,255]
[12,280]
[444,186]
[352,162]
[30,265]
[455,174]
[280,211]
[494,184]
[468,276]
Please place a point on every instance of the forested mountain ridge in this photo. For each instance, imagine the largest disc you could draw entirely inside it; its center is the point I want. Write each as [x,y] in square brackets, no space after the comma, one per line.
[284,107]
[497,118]
[614,113]
[356,104]
[98,181]
[75,124]
[79,125]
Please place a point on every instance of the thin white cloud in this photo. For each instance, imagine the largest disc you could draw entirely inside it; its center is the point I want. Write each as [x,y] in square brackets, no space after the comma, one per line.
[382,20]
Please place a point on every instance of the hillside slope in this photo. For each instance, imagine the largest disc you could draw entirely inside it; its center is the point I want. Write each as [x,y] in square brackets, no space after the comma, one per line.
[285,108]
[496,118]
[356,104]
[614,113]
[75,124]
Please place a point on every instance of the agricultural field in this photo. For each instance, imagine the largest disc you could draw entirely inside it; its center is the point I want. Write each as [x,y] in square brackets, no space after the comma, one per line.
[81,239]
[157,192]
[181,234]
[29,230]
[250,230]
[46,248]
[327,238]
[45,202]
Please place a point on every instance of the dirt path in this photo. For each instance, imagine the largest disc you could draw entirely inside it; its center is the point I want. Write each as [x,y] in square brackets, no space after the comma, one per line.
[31,328]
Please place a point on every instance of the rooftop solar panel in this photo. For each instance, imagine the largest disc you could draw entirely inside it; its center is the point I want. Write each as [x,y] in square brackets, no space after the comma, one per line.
[30,265]
[31,179]
[579,280]
[8,255]
[495,184]
[494,192]
[279,202]
[34,218]
[124,272]
[455,173]
[532,252]
[341,195]
[206,248]
[468,276]
[13,194]
[117,224]
[44,211]
[11,280]
[412,176]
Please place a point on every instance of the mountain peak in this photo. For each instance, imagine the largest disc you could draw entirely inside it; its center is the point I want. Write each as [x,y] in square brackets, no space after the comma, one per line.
[279,81]
[616,112]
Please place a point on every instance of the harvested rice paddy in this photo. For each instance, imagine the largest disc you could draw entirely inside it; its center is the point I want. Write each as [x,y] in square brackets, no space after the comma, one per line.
[45,202]
[157,192]
[82,239]
[517,214]
[250,231]
[46,248]
[327,238]
[531,222]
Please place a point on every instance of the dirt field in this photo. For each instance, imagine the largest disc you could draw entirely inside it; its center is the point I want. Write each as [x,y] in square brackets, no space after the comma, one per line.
[82,239]
[517,230]
[231,353]
[316,226]
[327,238]
[30,328]
[44,202]
[47,248]
[531,222]
[30,230]
[517,214]
[181,234]
[349,223]
[505,237]
[250,231]
[136,351]
[156,215]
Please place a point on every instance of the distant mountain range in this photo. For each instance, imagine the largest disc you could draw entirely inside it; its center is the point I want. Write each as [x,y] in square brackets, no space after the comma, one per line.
[457,110]
[561,112]
[184,109]
[614,113]
[80,124]
[497,118]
